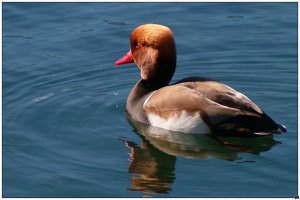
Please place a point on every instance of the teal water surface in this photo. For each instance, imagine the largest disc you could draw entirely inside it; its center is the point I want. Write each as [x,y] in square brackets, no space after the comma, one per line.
[65,130]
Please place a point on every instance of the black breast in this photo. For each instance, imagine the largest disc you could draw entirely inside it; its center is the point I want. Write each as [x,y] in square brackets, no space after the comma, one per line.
[136,99]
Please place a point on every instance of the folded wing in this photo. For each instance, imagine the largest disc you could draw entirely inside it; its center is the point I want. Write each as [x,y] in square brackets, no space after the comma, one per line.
[223,109]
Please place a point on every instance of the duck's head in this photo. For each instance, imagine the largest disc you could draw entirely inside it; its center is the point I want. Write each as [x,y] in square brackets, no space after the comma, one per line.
[153,50]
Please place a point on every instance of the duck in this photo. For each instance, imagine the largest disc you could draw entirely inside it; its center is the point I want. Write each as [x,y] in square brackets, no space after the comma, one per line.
[192,105]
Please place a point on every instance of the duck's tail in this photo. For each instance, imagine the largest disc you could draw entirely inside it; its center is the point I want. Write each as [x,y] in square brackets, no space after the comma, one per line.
[281,128]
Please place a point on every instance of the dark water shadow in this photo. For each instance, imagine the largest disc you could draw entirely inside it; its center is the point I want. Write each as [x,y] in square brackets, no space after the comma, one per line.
[152,163]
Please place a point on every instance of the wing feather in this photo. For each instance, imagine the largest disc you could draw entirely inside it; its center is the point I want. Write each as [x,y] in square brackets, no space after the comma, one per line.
[213,100]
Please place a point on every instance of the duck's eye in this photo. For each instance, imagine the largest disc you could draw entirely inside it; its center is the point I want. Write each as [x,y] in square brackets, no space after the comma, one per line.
[137,44]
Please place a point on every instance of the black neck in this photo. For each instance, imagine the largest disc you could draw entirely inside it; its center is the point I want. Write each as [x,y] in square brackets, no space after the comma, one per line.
[163,75]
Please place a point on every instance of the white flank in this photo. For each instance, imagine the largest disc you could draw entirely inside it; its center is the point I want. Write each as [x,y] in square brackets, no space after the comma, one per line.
[185,123]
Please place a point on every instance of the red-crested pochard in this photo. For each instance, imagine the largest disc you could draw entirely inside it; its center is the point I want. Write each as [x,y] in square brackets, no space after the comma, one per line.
[191,105]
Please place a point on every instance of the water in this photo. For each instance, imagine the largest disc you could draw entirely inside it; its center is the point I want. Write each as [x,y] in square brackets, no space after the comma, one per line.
[65,132]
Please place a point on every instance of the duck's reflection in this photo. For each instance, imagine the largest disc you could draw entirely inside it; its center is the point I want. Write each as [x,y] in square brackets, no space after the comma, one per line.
[153,170]
[153,162]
